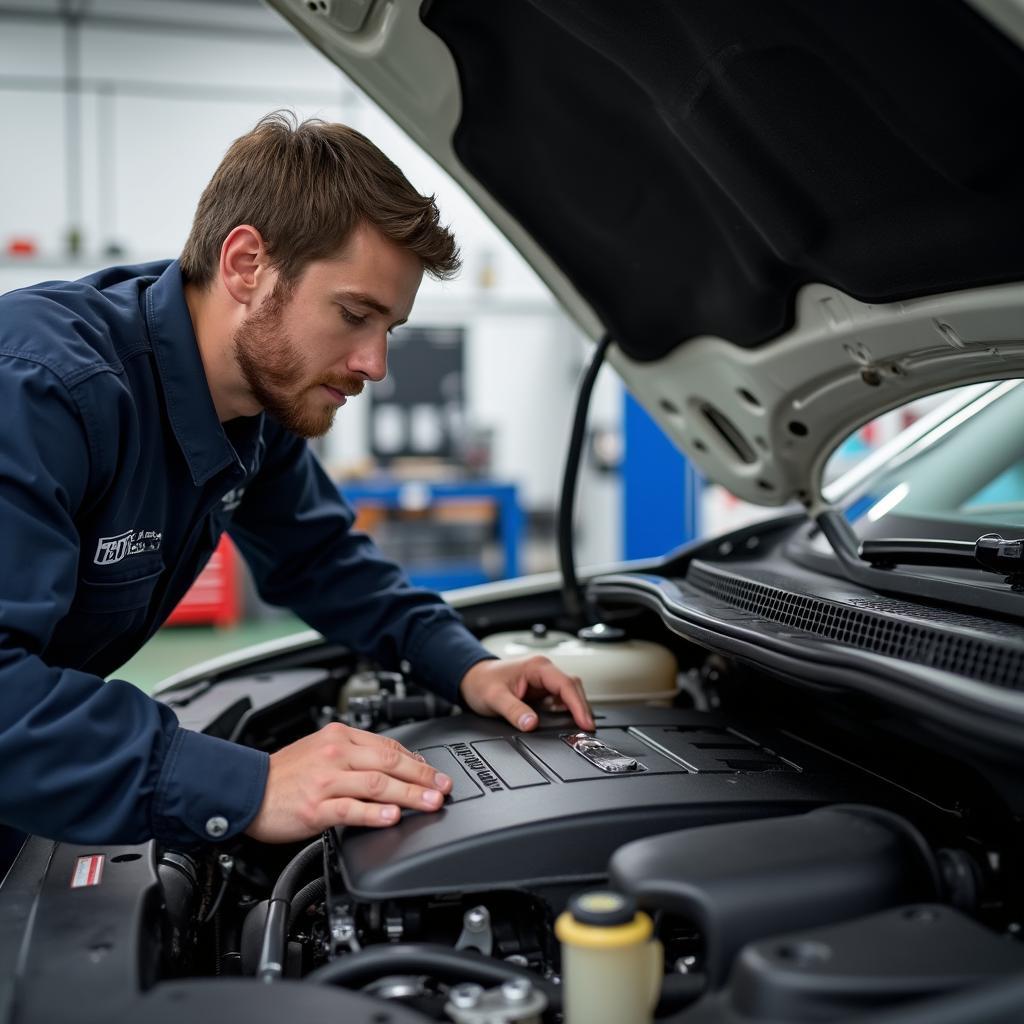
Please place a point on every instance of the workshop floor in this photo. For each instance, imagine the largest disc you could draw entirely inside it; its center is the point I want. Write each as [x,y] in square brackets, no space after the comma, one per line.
[177,647]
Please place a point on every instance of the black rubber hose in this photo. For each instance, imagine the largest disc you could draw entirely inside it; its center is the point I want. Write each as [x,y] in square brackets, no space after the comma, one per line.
[306,897]
[572,593]
[275,930]
[256,922]
[178,874]
[442,962]
[251,943]
[289,881]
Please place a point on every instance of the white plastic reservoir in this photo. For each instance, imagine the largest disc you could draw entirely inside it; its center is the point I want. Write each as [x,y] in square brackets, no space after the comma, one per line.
[613,671]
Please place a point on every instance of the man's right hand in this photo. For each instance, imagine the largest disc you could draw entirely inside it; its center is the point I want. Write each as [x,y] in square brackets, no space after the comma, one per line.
[342,776]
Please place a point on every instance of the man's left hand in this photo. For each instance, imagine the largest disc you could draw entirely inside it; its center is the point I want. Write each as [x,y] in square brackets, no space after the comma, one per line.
[502,687]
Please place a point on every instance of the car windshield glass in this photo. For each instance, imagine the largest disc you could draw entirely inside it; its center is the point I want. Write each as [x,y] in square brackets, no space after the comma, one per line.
[960,478]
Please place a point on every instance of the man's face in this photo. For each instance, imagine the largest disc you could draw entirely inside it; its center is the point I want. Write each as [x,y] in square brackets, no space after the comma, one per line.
[307,347]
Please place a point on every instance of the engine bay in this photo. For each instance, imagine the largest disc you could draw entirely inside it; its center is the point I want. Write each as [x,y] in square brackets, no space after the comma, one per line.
[733,814]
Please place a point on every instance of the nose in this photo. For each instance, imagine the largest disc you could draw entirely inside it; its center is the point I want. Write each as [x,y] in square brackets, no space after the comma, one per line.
[370,360]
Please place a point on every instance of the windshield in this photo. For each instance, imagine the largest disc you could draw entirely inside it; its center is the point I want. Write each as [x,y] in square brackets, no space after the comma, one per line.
[960,476]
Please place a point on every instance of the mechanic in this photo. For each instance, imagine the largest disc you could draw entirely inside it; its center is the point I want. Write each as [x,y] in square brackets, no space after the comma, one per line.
[150,408]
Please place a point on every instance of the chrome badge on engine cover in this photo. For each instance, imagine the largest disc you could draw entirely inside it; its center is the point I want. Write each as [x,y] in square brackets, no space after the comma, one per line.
[599,754]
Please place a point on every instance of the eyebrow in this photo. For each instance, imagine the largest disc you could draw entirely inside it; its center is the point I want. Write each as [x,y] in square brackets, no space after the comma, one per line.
[366,300]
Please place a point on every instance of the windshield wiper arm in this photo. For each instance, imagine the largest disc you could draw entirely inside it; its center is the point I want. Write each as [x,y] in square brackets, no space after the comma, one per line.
[990,552]
[888,553]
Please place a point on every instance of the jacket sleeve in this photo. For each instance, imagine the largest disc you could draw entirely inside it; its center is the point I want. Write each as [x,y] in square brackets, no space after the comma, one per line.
[295,531]
[84,760]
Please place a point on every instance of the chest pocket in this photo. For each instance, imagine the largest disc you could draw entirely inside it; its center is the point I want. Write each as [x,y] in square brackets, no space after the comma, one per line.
[120,594]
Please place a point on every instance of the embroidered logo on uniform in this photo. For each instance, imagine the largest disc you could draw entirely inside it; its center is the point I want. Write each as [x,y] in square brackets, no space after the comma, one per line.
[131,542]
[232,499]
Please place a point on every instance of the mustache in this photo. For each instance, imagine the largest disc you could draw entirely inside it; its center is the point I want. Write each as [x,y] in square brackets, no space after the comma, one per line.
[348,386]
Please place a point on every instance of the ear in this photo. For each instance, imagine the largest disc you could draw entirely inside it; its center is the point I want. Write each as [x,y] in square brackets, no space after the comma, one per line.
[244,265]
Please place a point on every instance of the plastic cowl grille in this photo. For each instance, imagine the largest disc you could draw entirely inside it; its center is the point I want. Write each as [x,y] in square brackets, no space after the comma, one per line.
[983,658]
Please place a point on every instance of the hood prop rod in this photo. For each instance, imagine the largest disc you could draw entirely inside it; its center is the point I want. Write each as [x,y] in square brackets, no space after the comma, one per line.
[573,597]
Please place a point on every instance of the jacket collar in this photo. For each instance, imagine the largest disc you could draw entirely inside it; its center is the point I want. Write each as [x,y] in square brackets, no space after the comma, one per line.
[190,407]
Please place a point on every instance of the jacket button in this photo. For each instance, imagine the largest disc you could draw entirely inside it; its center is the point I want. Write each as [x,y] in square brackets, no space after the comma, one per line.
[216,826]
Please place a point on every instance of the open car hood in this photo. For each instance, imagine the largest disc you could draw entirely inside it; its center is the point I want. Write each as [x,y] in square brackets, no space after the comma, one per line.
[790,217]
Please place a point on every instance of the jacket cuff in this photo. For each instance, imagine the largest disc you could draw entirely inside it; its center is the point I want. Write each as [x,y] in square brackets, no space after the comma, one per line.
[209,789]
[444,656]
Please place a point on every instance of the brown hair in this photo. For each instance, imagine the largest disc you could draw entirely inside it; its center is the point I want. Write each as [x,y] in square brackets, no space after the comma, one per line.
[305,187]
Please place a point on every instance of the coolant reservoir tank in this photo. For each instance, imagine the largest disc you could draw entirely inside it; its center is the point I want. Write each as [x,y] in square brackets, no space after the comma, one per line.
[614,671]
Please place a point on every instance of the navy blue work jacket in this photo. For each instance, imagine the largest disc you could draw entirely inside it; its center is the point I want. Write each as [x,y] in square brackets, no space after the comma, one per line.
[116,481]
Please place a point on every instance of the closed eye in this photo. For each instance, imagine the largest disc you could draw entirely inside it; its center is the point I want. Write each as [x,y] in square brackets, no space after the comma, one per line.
[352,318]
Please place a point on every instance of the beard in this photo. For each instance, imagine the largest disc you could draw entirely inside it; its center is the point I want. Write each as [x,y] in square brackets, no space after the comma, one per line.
[275,371]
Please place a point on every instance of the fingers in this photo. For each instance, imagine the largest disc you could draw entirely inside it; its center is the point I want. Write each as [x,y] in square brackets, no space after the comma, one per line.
[399,764]
[380,788]
[346,810]
[568,690]
[382,771]
[573,697]
[513,710]
[369,751]
[505,694]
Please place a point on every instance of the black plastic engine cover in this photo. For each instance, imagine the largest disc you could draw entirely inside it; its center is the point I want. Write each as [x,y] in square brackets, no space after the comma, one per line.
[527,810]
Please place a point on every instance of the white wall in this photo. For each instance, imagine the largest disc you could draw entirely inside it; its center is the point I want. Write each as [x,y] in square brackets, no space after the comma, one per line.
[160,103]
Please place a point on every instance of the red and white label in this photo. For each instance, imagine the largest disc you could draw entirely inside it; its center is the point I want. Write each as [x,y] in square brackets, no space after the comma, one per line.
[88,871]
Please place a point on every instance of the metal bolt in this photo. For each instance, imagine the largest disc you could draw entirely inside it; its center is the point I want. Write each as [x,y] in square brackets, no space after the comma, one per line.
[465,996]
[477,919]
[517,990]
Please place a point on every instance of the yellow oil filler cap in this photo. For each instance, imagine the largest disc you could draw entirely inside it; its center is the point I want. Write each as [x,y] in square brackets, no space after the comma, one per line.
[612,967]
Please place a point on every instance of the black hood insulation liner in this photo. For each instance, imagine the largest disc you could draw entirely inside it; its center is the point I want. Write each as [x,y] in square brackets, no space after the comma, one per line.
[690,165]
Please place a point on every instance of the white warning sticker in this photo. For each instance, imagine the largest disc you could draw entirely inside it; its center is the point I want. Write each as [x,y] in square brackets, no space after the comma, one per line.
[88,871]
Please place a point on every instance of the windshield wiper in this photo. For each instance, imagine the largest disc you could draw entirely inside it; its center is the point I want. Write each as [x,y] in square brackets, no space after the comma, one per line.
[990,552]
[871,563]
